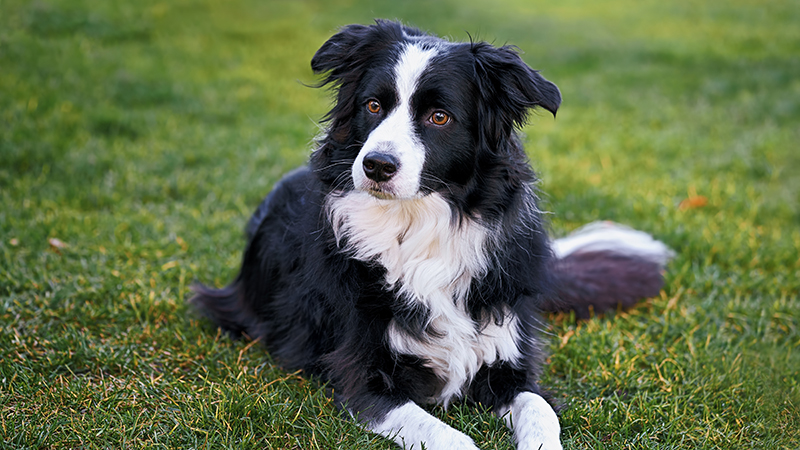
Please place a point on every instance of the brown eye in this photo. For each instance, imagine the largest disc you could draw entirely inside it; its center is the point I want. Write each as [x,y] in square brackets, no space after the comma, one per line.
[374,106]
[439,118]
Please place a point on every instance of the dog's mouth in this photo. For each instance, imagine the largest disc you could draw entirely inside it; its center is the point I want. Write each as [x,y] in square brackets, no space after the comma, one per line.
[385,194]
[386,189]
[377,191]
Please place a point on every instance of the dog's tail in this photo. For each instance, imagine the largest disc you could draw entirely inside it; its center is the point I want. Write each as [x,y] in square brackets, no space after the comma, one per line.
[225,308]
[605,265]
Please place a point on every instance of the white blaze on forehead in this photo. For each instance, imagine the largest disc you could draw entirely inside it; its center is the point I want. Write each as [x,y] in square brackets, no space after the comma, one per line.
[412,63]
[396,135]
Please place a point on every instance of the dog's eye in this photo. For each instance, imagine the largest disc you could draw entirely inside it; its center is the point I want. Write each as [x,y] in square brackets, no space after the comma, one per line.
[439,118]
[373,106]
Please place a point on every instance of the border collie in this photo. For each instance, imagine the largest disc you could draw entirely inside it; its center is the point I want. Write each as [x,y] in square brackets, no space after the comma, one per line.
[408,263]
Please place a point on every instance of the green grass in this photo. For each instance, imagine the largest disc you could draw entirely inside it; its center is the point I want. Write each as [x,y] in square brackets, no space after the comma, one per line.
[142,134]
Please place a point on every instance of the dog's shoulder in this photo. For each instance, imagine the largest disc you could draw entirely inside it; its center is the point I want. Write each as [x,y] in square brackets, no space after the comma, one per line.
[289,198]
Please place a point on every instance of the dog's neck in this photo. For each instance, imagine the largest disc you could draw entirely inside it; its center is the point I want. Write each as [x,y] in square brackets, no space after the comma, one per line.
[425,250]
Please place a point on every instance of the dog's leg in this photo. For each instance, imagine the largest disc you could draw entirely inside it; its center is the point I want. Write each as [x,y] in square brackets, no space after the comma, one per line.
[533,421]
[411,426]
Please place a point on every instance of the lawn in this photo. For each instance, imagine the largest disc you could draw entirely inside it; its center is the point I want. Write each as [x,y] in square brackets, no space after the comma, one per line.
[137,137]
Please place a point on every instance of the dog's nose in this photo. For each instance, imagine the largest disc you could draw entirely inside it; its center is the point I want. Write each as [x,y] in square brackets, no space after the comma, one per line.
[379,167]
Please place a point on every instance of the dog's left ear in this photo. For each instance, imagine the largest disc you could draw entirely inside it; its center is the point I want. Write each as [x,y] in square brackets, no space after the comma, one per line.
[509,87]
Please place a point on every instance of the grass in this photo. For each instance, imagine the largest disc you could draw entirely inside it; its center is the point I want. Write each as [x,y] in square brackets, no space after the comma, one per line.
[136,138]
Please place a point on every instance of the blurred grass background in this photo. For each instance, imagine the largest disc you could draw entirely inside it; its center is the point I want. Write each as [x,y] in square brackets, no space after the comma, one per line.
[137,137]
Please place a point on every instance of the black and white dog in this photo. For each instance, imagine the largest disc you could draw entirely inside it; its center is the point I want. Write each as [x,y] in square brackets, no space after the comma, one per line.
[408,263]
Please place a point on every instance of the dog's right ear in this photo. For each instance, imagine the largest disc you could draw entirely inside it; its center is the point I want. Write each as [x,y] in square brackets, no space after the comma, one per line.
[344,59]
[340,51]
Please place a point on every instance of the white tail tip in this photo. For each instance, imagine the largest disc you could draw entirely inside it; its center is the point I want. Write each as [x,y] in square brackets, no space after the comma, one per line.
[613,237]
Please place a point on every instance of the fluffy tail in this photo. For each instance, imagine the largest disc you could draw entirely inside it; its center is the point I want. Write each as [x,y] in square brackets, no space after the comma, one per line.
[224,307]
[605,265]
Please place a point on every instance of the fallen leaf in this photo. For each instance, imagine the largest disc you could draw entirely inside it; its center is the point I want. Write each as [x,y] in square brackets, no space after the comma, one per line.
[695,201]
[57,244]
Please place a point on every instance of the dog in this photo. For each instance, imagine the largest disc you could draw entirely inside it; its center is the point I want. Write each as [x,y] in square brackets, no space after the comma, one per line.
[408,263]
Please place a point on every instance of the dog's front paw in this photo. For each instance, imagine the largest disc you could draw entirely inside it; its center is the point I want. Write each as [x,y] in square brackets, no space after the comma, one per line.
[534,422]
[541,444]
[449,440]
[411,427]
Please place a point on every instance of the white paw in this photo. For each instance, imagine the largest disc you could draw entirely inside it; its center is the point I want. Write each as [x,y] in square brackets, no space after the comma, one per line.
[534,422]
[411,426]
[539,444]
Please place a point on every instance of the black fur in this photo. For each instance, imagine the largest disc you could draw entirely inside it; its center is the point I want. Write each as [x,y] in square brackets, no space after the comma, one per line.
[317,308]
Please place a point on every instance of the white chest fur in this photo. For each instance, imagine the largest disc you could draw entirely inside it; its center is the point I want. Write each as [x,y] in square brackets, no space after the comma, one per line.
[432,261]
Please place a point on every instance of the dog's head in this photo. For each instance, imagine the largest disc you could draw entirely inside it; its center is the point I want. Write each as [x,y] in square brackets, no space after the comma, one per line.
[416,114]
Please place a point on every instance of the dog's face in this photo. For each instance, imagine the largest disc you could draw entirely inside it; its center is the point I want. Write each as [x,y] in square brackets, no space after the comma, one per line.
[415,124]
[417,114]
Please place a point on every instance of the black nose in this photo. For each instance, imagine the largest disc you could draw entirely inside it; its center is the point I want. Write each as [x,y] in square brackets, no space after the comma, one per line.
[379,167]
